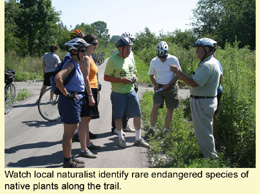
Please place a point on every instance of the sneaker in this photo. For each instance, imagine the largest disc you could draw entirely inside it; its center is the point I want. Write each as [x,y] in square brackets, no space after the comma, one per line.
[149,134]
[73,164]
[92,136]
[77,160]
[116,132]
[122,143]
[141,142]
[76,137]
[87,154]
[93,147]
[129,129]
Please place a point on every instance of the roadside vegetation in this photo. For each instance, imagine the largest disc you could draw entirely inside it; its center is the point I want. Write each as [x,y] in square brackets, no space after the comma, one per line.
[231,23]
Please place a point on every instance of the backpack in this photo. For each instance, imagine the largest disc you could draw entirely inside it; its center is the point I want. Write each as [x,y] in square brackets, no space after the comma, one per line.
[66,80]
[9,76]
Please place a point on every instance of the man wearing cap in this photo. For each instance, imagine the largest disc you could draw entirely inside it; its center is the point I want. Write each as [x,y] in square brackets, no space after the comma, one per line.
[121,72]
[203,100]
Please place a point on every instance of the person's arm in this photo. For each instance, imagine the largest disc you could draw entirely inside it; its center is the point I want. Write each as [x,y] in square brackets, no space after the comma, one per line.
[85,69]
[61,75]
[124,80]
[174,79]
[187,79]
[155,85]
[43,67]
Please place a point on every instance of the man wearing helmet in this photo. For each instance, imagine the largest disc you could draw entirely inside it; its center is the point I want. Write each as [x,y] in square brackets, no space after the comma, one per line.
[203,102]
[121,72]
[165,86]
[126,127]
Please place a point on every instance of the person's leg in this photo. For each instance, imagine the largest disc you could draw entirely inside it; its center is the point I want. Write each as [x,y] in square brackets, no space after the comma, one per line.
[154,113]
[168,119]
[67,139]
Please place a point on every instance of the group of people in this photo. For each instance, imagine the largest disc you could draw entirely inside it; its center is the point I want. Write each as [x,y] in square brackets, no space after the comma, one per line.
[78,101]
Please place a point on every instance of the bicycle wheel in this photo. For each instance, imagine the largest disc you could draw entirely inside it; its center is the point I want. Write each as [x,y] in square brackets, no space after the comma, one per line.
[48,109]
[9,97]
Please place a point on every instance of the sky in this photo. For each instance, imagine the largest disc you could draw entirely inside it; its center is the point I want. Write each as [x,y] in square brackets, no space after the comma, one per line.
[128,15]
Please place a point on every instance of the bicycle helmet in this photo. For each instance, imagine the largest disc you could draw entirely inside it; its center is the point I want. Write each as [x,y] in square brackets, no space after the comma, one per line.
[76,44]
[76,34]
[124,41]
[129,35]
[162,49]
[206,42]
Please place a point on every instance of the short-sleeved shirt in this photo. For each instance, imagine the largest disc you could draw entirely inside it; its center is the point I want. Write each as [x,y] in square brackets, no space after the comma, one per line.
[131,56]
[50,60]
[120,68]
[220,89]
[162,70]
[207,77]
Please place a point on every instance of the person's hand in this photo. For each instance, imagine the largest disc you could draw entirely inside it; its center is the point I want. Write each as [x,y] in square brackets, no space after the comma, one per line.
[175,68]
[72,96]
[91,100]
[126,80]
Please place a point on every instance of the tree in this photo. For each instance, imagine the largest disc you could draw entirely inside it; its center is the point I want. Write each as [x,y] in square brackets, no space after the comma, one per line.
[227,20]
[101,30]
[11,14]
[38,24]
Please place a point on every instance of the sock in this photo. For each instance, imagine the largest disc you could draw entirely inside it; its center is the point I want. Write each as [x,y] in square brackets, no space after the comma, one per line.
[66,159]
[76,131]
[165,129]
[120,134]
[138,134]
[152,127]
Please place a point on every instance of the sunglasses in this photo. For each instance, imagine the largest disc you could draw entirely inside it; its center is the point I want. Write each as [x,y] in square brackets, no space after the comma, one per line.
[82,50]
[94,43]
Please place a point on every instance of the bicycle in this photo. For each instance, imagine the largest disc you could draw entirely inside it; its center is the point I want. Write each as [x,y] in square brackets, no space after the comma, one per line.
[48,107]
[9,90]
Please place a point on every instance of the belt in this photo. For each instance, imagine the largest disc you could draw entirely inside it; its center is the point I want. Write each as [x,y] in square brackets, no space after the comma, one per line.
[205,97]
[72,92]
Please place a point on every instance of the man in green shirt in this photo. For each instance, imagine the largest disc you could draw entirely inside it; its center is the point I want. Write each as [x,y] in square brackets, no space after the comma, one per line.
[121,72]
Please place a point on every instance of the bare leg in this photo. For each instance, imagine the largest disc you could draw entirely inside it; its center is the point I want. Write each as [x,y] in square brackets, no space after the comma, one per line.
[83,132]
[168,118]
[69,130]
[154,113]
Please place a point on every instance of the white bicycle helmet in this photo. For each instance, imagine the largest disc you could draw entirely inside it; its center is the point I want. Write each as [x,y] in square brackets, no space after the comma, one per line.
[129,35]
[206,42]
[162,49]
[76,44]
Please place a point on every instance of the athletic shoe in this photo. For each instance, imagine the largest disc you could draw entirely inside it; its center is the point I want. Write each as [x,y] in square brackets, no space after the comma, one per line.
[141,142]
[122,143]
[149,134]
[93,147]
[129,129]
[116,132]
[92,136]
[87,154]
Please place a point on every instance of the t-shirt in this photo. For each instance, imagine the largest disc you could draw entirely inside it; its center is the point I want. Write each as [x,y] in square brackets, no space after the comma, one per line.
[162,69]
[131,56]
[50,60]
[220,89]
[120,67]
[207,77]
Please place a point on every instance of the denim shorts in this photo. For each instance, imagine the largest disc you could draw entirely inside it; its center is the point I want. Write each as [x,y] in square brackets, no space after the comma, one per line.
[70,110]
[125,103]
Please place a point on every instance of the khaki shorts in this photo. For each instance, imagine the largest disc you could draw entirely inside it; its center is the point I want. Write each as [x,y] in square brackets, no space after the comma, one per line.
[170,96]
